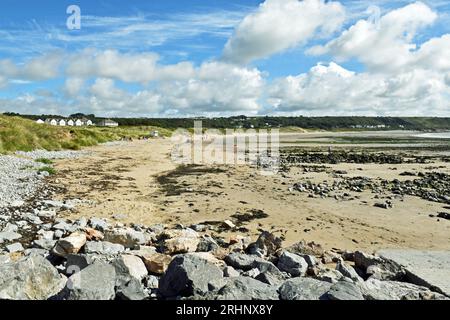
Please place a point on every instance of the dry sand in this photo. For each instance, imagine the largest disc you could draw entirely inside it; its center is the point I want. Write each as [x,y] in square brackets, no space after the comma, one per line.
[124,181]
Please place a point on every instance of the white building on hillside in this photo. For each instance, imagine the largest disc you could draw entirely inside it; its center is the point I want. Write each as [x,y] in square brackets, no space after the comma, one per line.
[51,122]
[108,123]
[70,123]
[62,123]
[40,121]
[88,122]
[78,123]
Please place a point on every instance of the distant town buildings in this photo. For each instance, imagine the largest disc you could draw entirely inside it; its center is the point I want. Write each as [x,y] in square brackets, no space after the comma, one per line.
[65,122]
[108,123]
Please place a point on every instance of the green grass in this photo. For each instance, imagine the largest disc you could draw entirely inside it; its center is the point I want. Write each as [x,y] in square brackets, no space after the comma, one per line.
[50,170]
[44,161]
[25,135]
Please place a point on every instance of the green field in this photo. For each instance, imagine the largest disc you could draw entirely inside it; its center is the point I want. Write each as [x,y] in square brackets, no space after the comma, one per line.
[25,135]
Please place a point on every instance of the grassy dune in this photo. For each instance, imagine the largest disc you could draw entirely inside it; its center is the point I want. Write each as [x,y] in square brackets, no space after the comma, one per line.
[26,135]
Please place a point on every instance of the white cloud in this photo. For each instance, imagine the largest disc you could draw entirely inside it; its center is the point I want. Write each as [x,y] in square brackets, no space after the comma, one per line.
[217,88]
[73,86]
[127,67]
[387,44]
[278,25]
[40,68]
[333,90]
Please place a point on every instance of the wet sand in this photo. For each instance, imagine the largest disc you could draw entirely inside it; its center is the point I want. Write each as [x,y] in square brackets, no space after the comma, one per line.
[136,182]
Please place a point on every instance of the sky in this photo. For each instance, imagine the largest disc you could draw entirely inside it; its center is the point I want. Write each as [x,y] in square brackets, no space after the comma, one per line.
[177,58]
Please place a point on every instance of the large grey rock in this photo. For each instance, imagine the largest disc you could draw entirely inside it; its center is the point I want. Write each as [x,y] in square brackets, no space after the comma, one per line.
[96,282]
[304,289]
[430,269]
[45,244]
[9,236]
[103,247]
[70,245]
[348,271]
[127,237]
[129,267]
[133,290]
[245,288]
[374,289]
[188,275]
[377,267]
[345,290]
[15,247]
[250,262]
[98,224]
[33,278]
[292,263]
[267,244]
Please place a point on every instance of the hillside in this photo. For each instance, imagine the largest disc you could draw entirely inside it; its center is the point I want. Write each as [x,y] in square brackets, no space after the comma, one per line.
[22,134]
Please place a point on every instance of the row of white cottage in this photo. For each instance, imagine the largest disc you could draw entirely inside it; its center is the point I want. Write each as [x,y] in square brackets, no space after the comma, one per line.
[64,122]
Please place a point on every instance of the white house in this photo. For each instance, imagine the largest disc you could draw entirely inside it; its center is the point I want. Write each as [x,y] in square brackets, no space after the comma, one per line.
[78,123]
[154,134]
[108,123]
[88,122]
[51,122]
[39,121]
[62,122]
[70,123]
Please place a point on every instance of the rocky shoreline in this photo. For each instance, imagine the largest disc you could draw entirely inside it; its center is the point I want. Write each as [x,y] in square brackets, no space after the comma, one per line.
[43,256]
[98,260]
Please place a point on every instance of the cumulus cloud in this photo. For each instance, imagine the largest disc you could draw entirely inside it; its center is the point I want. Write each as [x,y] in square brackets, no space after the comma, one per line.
[216,88]
[127,67]
[337,91]
[278,25]
[387,44]
[40,68]
[73,86]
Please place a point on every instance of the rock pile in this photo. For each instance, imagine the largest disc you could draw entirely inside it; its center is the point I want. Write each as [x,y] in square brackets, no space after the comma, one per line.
[97,260]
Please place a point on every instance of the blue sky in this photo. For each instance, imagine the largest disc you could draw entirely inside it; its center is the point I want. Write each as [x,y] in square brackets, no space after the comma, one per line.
[214,36]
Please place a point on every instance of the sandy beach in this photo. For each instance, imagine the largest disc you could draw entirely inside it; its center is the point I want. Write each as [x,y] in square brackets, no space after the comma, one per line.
[136,182]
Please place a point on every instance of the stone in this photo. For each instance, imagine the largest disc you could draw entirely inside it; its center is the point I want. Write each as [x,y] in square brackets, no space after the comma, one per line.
[270,278]
[430,269]
[15,247]
[143,251]
[156,263]
[188,275]
[46,235]
[230,272]
[133,290]
[241,261]
[127,237]
[181,245]
[244,288]
[98,224]
[374,289]
[44,244]
[129,267]
[93,235]
[65,227]
[252,273]
[327,275]
[207,244]
[152,282]
[103,247]
[210,258]
[228,224]
[306,248]
[304,289]
[32,278]
[348,271]
[10,227]
[77,262]
[95,282]
[9,236]
[70,245]
[345,290]
[292,264]
[267,244]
